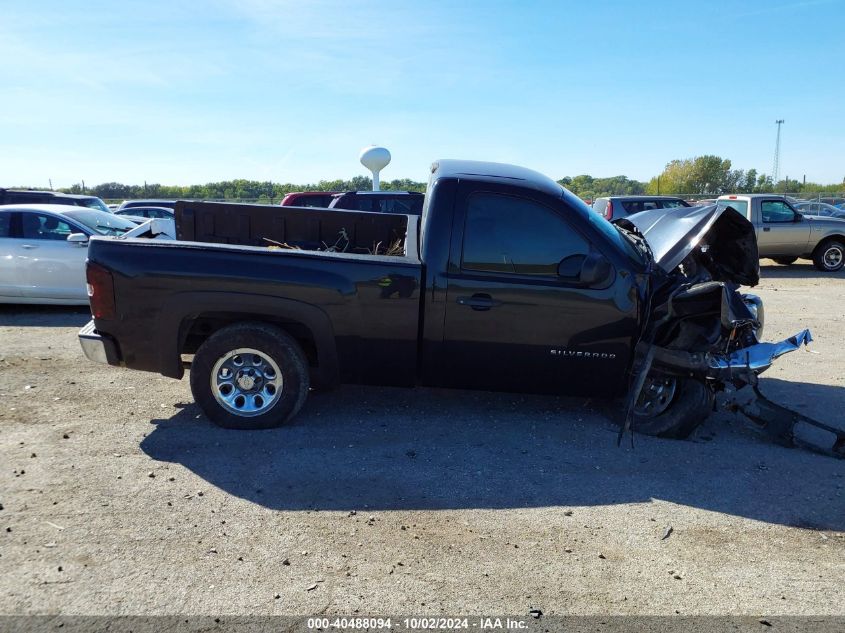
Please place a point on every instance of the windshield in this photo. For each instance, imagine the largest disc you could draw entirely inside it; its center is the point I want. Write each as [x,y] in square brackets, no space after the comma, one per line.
[613,233]
[94,203]
[101,222]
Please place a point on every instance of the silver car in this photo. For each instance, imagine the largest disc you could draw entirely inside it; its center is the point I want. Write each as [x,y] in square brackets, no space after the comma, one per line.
[43,248]
[821,209]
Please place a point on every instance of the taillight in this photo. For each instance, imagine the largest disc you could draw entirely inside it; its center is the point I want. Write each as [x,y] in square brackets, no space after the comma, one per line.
[100,291]
[608,210]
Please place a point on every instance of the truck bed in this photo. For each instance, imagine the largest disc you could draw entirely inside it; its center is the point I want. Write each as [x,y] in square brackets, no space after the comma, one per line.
[168,291]
[302,228]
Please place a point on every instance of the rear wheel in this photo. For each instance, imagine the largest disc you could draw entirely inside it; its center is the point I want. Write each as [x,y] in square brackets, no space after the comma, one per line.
[829,256]
[785,261]
[250,376]
[671,407]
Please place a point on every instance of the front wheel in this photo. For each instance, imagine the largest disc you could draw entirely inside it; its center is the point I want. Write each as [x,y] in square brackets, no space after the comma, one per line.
[829,256]
[250,376]
[671,407]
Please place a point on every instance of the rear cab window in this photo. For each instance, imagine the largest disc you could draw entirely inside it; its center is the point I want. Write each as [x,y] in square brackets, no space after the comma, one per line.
[739,205]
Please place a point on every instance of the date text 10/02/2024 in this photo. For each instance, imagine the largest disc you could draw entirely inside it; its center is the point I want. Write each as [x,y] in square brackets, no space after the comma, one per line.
[418,623]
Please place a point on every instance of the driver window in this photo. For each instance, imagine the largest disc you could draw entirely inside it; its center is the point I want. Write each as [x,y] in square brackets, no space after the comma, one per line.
[776,211]
[37,226]
[505,234]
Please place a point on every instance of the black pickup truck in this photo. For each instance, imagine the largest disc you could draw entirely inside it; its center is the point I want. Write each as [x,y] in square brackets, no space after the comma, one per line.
[506,282]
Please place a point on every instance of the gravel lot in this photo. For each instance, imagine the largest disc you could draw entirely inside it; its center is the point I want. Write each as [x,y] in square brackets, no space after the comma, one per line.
[119,498]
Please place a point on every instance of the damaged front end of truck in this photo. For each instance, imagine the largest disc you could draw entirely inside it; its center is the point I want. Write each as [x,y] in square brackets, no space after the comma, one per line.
[702,335]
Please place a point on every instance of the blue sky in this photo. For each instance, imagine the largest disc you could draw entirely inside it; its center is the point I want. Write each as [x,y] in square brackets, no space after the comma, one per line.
[191,92]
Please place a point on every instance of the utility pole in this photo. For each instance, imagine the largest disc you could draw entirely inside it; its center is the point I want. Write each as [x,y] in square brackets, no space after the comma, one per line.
[776,166]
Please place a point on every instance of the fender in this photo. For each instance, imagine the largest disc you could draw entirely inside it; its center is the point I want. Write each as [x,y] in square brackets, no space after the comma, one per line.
[185,306]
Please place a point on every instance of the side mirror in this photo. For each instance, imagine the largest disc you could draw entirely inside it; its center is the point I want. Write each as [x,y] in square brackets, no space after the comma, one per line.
[798,217]
[595,270]
[78,238]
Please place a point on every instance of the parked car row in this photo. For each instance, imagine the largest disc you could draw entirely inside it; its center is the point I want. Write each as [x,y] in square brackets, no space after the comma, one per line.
[404,202]
[31,196]
[43,243]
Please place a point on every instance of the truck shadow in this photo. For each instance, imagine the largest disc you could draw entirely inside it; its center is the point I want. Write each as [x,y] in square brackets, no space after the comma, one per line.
[43,315]
[391,449]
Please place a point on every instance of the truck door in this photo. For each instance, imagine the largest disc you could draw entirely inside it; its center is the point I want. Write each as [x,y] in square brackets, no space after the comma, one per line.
[781,231]
[517,318]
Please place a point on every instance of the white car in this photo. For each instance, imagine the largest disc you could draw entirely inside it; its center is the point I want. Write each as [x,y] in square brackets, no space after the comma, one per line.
[43,248]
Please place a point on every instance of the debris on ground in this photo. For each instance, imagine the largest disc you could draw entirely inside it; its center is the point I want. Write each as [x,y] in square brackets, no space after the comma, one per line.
[788,427]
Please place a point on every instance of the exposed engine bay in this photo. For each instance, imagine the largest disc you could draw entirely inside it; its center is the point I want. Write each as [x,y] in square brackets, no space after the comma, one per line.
[699,325]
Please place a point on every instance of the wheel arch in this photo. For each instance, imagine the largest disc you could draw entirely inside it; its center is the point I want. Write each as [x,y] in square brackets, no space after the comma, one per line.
[834,237]
[191,317]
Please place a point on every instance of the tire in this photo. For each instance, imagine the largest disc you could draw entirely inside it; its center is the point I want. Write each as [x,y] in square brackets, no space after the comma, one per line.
[689,405]
[250,376]
[784,261]
[829,256]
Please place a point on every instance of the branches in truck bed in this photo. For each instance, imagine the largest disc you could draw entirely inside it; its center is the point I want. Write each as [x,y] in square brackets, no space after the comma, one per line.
[396,248]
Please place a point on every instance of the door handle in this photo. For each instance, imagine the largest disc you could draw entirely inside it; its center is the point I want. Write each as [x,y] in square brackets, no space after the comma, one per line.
[479,302]
[767,229]
[29,246]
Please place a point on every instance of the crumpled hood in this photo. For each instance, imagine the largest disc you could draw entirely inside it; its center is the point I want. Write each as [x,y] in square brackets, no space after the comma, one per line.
[674,233]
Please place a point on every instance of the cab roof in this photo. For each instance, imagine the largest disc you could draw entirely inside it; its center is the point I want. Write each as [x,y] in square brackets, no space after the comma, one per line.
[495,172]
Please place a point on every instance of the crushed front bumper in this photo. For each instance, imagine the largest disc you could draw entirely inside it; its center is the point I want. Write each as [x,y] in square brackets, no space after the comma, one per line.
[741,368]
[744,363]
[98,347]
[756,358]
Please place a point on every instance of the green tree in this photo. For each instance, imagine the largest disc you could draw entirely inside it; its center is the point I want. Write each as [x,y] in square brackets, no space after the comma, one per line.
[708,175]
[588,187]
[750,181]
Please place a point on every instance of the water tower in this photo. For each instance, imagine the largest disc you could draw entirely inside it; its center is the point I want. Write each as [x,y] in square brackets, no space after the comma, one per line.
[375,159]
